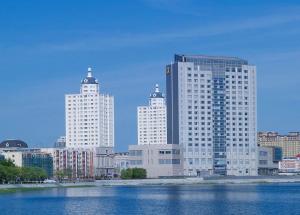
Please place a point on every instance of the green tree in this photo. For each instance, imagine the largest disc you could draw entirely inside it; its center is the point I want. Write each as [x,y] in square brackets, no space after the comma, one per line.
[68,172]
[126,173]
[60,175]
[9,173]
[139,173]
[135,173]
[7,163]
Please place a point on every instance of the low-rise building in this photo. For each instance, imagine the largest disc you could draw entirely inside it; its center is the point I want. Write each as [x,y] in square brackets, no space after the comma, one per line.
[104,162]
[121,162]
[60,142]
[268,159]
[76,161]
[289,143]
[13,144]
[31,158]
[159,160]
[290,165]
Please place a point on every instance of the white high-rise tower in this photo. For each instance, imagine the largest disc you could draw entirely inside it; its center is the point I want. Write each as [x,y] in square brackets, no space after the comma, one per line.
[89,116]
[211,106]
[152,120]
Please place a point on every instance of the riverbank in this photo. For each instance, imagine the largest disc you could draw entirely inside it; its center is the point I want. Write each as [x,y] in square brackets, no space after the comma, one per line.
[200,181]
[12,188]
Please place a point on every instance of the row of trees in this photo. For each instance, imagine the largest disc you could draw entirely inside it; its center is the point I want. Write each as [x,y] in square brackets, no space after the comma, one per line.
[64,174]
[9,173]
[134,173]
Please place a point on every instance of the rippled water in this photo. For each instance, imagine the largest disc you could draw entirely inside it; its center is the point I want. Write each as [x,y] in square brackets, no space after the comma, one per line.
[204,199]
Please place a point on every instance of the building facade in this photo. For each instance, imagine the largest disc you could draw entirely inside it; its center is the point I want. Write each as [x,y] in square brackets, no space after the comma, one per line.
[152,120]
[121,162]
[31,158]
[89,116]
[104,162]
[290,165]
[211,114]
[60,142]
[159,160]
[268,160]
[289,143]
[78,162]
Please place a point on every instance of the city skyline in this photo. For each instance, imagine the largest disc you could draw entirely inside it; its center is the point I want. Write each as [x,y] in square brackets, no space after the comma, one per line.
[49,60]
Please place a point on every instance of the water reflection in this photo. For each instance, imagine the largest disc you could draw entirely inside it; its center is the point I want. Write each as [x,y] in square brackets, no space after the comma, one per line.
[204,199]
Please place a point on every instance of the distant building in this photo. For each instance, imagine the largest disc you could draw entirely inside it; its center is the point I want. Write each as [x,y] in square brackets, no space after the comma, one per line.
[290,165]
[159,160]
[268,160]
[13,144]
[152,120]
[211,114]
[2,157]
[121,162]
[31,158]
[78,161]
[89,116]
[60,142]
[289,143]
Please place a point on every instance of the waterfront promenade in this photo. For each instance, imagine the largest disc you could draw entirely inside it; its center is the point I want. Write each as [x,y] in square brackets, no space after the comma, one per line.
[163,182]
[200,181]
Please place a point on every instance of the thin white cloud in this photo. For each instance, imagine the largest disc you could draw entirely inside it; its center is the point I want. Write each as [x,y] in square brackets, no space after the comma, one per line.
[98,42]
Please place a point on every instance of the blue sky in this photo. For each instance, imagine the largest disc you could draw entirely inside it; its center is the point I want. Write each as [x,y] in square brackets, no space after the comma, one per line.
[46,47]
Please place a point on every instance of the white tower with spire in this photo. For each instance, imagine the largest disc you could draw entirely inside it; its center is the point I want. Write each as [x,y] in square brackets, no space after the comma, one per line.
[152,120]
[89,116]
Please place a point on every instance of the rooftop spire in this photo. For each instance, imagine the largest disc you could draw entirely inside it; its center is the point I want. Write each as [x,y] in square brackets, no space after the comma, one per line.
[156,88]
[89,72]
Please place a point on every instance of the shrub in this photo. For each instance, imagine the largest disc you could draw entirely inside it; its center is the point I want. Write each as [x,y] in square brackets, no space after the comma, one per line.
[134,173]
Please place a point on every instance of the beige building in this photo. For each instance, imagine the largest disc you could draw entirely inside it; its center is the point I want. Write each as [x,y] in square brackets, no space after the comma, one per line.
[289,143]
[159,160]
[15,157]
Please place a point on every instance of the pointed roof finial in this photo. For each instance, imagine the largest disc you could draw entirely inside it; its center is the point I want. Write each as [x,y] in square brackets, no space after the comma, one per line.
[156,88]
[89,72]
[156,93]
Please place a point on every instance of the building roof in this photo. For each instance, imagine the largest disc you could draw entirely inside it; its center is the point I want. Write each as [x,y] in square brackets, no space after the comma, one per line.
[156,93]
[89,79]
[13,144]
[182,56]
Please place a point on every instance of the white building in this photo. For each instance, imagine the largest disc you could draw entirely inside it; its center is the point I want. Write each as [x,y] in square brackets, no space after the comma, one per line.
[152,120]
[159,160]
[121,162]
[89,116]
[60,142]
[211,107]
[290,165]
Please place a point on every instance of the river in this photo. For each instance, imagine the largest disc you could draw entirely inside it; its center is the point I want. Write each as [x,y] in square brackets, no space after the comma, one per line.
[197,199]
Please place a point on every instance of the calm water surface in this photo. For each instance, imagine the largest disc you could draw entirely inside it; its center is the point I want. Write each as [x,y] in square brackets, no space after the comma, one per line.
[204,199]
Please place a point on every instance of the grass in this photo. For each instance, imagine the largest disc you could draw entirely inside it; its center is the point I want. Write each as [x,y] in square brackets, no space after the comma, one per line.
[26,189]
[20,189]
[79,186]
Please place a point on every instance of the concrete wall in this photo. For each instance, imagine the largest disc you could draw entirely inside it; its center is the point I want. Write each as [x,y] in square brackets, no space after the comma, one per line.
[159,160]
